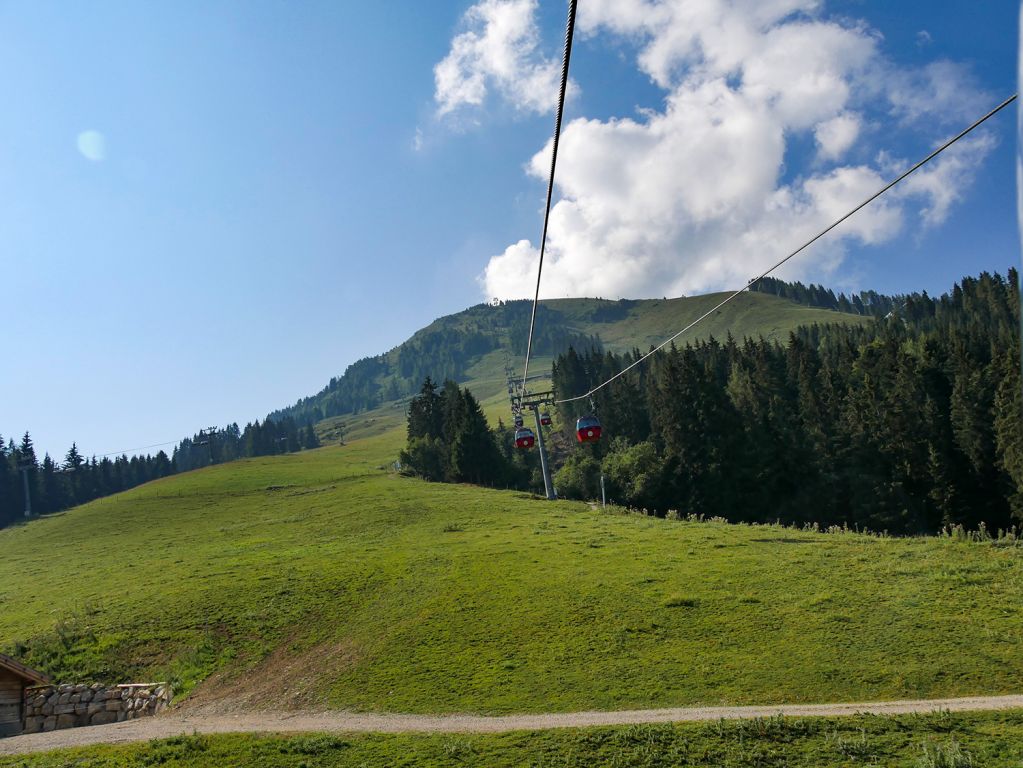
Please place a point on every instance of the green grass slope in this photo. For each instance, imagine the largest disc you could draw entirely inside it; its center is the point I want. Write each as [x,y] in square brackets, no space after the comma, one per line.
[645,322]
[321,578]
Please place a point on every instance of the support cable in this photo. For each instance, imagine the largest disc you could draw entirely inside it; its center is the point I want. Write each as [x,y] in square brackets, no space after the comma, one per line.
[798,250]
[140,448]
[569,30]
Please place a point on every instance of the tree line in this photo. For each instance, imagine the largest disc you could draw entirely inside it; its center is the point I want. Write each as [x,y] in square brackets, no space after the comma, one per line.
[54,486]
[868,303]
[230,443]
[906,424]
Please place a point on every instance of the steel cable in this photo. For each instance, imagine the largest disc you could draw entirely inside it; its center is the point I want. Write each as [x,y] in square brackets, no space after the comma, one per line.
[569,32]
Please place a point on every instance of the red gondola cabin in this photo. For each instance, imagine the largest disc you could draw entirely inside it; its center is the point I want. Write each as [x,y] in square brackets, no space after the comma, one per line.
[587,429]
[524,438]
[545,419]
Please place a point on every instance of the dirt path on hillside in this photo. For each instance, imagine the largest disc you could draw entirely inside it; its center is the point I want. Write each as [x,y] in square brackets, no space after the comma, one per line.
[175,723]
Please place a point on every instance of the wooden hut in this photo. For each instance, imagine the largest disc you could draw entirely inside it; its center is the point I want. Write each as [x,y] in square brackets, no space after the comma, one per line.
[14,679]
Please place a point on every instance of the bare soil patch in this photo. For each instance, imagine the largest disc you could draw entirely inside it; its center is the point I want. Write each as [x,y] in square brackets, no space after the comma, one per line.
[284,680]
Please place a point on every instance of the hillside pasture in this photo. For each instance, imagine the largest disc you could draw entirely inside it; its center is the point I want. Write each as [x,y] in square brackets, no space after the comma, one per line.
[324,579]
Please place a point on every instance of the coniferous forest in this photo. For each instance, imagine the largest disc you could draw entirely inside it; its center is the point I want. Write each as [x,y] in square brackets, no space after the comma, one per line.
[54,486]
[906,424]
[449,440]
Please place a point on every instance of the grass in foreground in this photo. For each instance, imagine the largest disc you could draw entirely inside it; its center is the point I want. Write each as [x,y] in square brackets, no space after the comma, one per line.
[940,740]
[318,579]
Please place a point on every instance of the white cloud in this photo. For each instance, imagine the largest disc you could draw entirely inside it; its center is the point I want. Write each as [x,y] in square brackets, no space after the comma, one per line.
[941,91]
[835,136]
[832,196]
[647,211]
[92,145]
[943,182]
[499,49]
[696,196]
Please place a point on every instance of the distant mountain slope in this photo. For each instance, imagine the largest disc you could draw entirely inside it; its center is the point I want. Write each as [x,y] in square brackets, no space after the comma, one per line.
[475,345]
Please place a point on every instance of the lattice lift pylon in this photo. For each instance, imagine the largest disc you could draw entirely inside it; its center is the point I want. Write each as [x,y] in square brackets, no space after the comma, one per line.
[534,401]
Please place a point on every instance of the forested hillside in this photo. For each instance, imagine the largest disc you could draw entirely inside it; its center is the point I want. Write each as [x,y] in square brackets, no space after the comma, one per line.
[445,349]
[869,303]
[450,346]
[231,442]
[906,424]
[53,486]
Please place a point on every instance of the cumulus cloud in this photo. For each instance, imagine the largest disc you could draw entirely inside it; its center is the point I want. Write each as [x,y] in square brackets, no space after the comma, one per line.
[696,195]
[836,135]
[499,49]
[941,91]
[942,183]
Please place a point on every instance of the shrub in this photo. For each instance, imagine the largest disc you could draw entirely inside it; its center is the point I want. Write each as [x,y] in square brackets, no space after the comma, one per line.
[950,755]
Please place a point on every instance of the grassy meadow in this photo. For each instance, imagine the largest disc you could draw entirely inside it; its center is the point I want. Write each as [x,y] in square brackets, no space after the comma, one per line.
[324,579]
[941,740]
[648,322]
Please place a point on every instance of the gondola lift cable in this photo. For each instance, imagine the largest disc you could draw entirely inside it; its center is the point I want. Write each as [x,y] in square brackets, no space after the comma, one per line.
[569,32]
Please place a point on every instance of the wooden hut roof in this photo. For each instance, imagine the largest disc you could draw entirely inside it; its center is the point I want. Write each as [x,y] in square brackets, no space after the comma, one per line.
[19,669]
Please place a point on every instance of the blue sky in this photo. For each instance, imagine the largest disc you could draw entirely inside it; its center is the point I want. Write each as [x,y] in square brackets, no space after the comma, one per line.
[269,190]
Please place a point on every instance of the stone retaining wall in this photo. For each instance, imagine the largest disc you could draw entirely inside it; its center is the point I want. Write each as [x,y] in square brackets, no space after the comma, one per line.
[50,707]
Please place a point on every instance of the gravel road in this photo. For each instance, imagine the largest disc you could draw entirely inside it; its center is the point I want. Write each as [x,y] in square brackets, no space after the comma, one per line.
[174,723]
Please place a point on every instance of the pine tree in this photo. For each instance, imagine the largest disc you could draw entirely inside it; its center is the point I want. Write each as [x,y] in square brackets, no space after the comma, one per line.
[7,487]
[310,440]
[449,439]
[1008,424]
[73,459]
[474,455]
[425,417]
[28,465]
[54,491]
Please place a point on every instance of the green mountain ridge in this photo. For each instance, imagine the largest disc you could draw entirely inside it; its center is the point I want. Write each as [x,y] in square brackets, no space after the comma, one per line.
[476,346]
